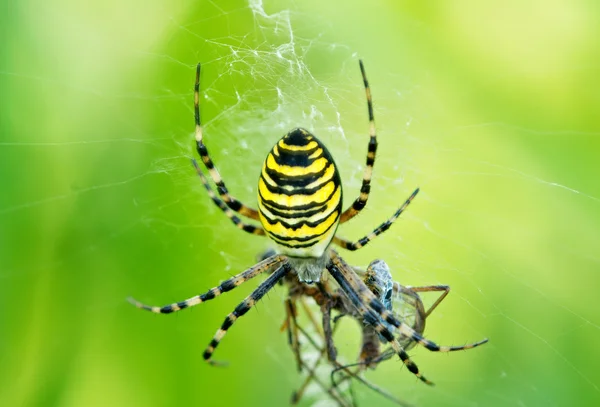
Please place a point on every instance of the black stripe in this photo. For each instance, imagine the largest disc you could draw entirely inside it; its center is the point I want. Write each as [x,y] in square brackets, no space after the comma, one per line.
[304,238]
[410,366]
[298,225]
[296,214]
[301,161]
[298,239]
[376,305]
[182,305]
[358,205]
[235,205]
[297,246]
[167,309]
[295,160]
[249,228]
[372,145]
[227,323]
[297,190]
[207,296]
[203,151]
[227,285]
[384,227]
[283,150]
[241,309]
[298,180]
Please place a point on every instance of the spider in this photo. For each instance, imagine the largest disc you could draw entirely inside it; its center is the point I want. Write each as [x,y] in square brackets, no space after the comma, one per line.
[403,301]
[299,209]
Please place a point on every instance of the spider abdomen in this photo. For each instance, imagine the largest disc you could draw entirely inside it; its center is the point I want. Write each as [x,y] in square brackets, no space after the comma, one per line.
[300,195]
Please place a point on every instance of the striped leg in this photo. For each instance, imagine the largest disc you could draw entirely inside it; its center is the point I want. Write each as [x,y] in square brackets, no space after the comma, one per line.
[227,285]
[244,307]
[361,201]
[340,274]
[368,300]
[231,202]
[255,230]
[348,245]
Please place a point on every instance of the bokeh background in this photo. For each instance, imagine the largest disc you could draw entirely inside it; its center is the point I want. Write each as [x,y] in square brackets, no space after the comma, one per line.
[491,108]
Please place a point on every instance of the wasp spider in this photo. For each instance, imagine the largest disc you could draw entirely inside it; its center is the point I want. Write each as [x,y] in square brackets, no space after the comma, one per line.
[300,208]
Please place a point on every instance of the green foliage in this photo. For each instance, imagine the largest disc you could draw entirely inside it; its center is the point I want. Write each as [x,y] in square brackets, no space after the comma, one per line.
[491,109]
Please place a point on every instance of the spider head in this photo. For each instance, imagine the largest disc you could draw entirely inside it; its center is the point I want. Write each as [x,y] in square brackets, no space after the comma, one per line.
[300,196]
[309,269]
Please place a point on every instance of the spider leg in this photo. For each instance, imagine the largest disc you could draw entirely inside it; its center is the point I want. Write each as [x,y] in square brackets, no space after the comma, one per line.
[313,321]
[227,285]
[244,307]
[369,350]
[340,271]
[412,299]
[255,230]
[348,245]
[369,301]
[365,189]
[231,202]
[432,288]
[292,330]
[327,331]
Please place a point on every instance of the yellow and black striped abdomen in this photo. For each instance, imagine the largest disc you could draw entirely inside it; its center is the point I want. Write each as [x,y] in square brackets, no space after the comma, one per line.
[300,195]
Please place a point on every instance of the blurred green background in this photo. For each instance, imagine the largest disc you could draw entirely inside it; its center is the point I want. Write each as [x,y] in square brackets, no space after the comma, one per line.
[491,108]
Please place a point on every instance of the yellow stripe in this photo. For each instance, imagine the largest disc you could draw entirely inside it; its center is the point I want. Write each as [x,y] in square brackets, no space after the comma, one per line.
[309,146]
[328,175]
[303,231]
[290,201]
[315,167]
[270,181]
[317,153]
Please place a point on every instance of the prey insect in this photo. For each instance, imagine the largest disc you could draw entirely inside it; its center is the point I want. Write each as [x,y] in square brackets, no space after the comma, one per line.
[300,209]
[403,301]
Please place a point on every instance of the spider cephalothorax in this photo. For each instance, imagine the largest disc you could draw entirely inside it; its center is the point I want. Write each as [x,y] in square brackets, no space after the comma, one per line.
[300,208]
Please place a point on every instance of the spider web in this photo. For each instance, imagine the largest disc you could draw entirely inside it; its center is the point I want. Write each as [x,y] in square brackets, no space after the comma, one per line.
[106,204]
